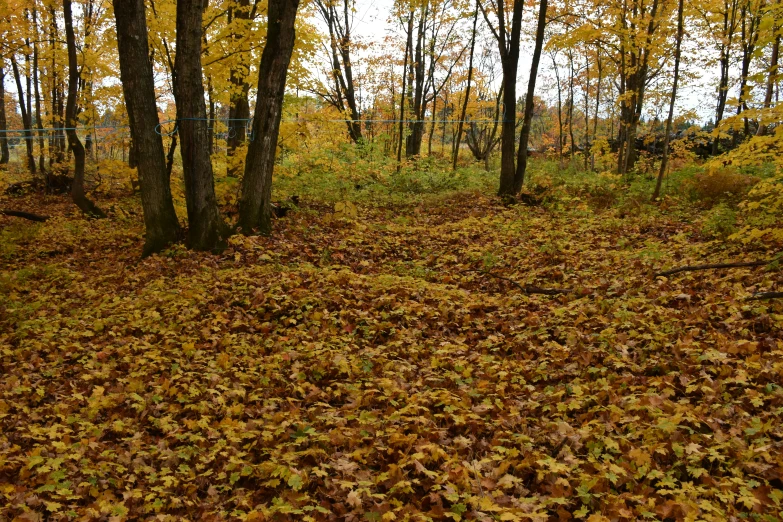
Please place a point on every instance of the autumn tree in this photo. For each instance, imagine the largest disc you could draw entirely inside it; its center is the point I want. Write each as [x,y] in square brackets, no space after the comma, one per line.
[77,186]
[772,70]
[718,21]
[466,99]
[255,204]
[507,39]
[160,220]
[206,230]
[751,14]
[25,107]
[240,15]
[4,152]
[527,121]
[338,18]
[485,110]
[667,136]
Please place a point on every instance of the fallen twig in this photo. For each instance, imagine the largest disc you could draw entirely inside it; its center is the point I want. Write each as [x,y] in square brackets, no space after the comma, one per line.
[717,266]
[524,288]
[23,215]
[758,296]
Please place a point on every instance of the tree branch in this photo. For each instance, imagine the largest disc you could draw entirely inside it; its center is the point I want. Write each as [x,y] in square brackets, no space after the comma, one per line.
[716,266]
[23,215]
[758,296]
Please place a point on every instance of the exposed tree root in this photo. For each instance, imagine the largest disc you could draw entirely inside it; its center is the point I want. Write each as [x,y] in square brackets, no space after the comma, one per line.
[23,215]
[716,266]
[758,296]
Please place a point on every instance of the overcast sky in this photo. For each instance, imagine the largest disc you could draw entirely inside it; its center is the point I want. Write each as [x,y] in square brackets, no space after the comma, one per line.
[371,24]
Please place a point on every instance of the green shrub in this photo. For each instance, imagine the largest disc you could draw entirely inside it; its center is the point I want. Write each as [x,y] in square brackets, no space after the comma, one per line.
[720,222]
[721,185]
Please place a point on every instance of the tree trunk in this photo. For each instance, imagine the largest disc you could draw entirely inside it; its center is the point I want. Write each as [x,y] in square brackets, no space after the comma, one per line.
[138,85]
[771,80]
[665,158]
[634,70]
[29,89]
[133,160]
[464,112]
[239,107]
[432,125]
[416,86]
[339,27]
[210,119]
[408,43]
[206,230]
[57,141]
[524,135]
[37,90]
[508,45]
[571,104]
[750,33]
[587,110]
[559,112]
[28,135]
[4,152]
[729,23]
[170,156]
[599,64]
[255,205]
[77,187]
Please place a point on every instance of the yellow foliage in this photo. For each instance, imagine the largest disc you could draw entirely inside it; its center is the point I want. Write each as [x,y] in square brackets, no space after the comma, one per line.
[763,209]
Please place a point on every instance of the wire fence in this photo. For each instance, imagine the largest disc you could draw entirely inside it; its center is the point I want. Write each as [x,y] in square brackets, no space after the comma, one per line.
[113,141]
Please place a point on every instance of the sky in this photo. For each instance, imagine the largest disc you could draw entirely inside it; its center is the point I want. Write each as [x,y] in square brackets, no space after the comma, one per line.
[698,95]
[371,24]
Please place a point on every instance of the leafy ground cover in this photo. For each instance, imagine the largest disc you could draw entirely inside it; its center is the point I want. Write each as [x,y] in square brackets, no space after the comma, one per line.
[382,363]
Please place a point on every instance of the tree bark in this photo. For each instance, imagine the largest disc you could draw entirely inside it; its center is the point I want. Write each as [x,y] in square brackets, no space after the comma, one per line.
[255,205]
[239,107]
[464,112]
[715,266]
[724,48]
[24,215]
[432,125]
[4,152]
[57,141]
[587,109]
[26,119]
[417,85]
[77,187]
[170,155]
[206,230]
[408,43]
[599,64]
[750,19]
[138,85]
[665,158]
[508,45]
[771,77]
[37,91]
[524,134]
[560,137]
[344,96]
[634,69]
[210,118]
[571,105]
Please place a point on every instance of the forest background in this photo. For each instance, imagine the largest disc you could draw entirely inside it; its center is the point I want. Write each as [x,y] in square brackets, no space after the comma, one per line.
[474,260]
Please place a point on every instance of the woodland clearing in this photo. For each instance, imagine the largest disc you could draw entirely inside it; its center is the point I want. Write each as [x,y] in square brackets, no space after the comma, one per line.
[382,363]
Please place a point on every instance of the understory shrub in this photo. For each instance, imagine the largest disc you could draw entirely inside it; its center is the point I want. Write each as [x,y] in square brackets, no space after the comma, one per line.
[720,222]
[719,185]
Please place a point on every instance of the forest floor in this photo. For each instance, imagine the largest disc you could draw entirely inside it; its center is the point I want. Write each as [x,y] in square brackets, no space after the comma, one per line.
[389,366]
